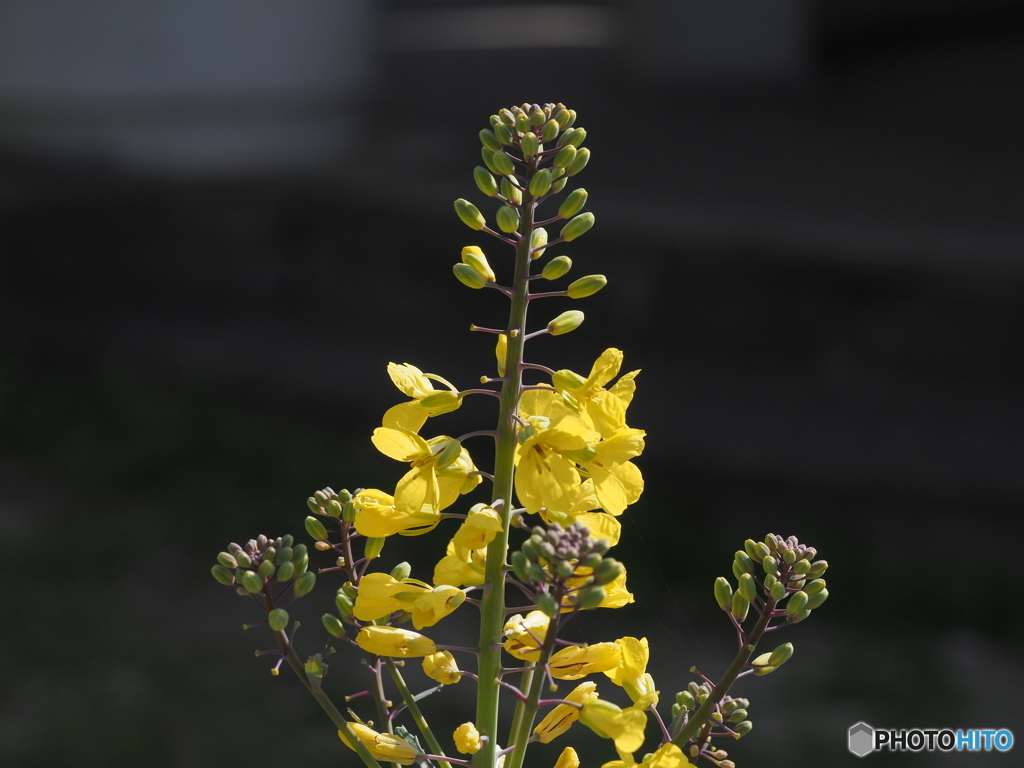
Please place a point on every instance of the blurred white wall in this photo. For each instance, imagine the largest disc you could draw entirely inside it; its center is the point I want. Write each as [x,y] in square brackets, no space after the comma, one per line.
[187,87]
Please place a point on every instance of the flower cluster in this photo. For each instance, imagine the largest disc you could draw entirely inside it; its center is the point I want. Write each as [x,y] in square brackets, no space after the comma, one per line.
[563,473]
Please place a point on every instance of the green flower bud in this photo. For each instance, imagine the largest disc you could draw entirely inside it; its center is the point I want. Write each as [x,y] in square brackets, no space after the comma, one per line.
[559,185]
[608,571]
[373,547]
[539,238]
[223,575]
[537,117]
[349,512]
[227,560]
[591,597]
[489,140]
[762,551]
[566,322]
[740,606]
[450,453]
[315,667]
[577,136]
[507,117]
[579,162]
[547,604]
[522,122]
[510,191]
[723,593]
[573,204]
[334,508]
[529,144]
[818,568]
[564,138]
[815,586]
[540,183]
[761,665]
[316,529]
[278,619]
[301,563]
[586,286]
[795,582]
[401,571]
[519,566]
[817,599]
[503,163]
[333,626]
[250,581]
[565,157]
[780,655]
[796,603]
[770,565]
[285,571]
[304,584]
[485,181]
[737,715]
[549,131]
[536,573]
[488,158]
[747,587]
[577,226]
[801,567]
[266,569]
[685,700]
[564,569]
[556,268]
[744,562]
[693,689]
[469,214]
[243,560]
[742,729]
[750,547]
[313,504]
[504,135]
[716,718]
[344,604]
[777,591]
[321,498]
[770,581]
[507,219]
[562,117]
[737,571]
[444,401]
[788,556]
[799,616]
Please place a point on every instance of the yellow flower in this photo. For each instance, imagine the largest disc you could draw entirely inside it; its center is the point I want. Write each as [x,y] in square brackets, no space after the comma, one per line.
[558,720]
[381,594]
[425,484]
[461,567]
[568,759]
[467,739]
[524,637]
[378,518]
[394,641]
[417,385]
[479,528]
[601,525]
[632,673]
[431,607]
[616,594]
[441,667]
[576,661]
[501,352]
[666,756]
[617,481]
[382,746]
[604,409]
[624,726]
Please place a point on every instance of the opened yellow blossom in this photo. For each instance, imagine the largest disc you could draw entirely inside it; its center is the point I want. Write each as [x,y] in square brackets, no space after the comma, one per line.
[461,567]
[426,401]
[617,481]
[380,594]
[394,641]
[576,661]
[479,528]
[666,756]
[624,726]
[558,720]
[382,746]
[426,484]
[524,637]
[377,517]
[568,759]
[467,739]
[632,673]
[441,667]
[604,409]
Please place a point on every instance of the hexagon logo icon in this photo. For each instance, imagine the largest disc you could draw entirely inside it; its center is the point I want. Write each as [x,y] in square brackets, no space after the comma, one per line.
[861,739]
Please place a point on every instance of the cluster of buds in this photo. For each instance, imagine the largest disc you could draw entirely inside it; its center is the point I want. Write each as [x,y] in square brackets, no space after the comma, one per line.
[566,561]
[790,575]
[729,713]
[256,567]
[330,503]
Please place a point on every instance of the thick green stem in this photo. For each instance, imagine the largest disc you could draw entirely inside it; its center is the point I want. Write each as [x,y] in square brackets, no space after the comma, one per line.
[492,614]
[414,708]
[703,714]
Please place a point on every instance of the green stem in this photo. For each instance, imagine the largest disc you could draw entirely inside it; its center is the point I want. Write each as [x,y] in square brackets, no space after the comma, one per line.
[703,714]
[524,685]
[492,614]
[414,708]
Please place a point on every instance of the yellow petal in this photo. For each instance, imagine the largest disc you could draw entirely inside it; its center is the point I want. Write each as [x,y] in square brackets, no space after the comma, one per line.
[545,479]
[604,369]
[410,380]
[400,444]
[602,526]
[575,662]
[433,606]
[410,416]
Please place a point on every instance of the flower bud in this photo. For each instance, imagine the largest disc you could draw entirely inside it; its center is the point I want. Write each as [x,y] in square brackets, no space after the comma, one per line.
[769,564]
[278,619]
[507,117]
[573,204]
[469,214]
[579,163]
[780,656]
[334,508]
[504,134]
[801,567]
[799,616]
[250,581]
[777,591]
[761,665]
[522,122]
[559,185]
[740,606]
[223,575]
[566,322]
[266,569]
[285,571]
[537,240]
[788,556]
[227,560]
[507,219]
[540,183]
[529,144]
[304,584]
[344,604]
[742,729]
[744,561]
[549,131]
[488,158]
[564,138]
[373,547]
[586,286]
[817,599]
[316,529]
[333,625]
[577,226]
[796,603]
[547,604]
[723,593]
[242,559]
[489,140]
[685,700]
[750,547]
[815,586]
[449,454]
[503,163]
[565,157]
[562,117]
[349,512]
[577,137]
[747,587]
[501,352]
[608,571]
[313,504]
[558,266]
[485,181]
[818,568]
[510,191]
[519,565]
[591,597]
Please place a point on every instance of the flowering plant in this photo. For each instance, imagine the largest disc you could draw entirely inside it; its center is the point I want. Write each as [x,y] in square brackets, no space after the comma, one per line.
[563,472]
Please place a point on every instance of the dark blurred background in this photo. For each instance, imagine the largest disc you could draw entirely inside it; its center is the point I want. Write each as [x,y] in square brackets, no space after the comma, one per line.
[220,220]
